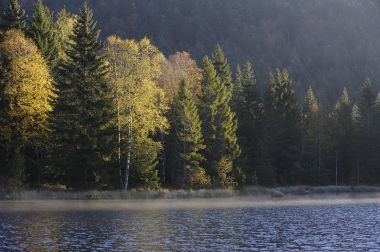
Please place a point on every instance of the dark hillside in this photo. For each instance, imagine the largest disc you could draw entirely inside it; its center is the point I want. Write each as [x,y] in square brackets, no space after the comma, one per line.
[329,44]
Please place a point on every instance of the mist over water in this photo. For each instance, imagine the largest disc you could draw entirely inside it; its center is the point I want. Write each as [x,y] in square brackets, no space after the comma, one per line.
[245,224]
[196,203]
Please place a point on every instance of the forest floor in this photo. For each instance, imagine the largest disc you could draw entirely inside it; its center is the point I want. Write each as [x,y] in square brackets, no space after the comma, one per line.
[254,191]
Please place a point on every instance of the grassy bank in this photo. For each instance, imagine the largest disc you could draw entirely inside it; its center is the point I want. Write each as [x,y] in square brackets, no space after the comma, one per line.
[255,191]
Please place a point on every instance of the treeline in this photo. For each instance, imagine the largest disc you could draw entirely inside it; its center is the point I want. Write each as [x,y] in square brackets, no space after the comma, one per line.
[84,113]
[325,44]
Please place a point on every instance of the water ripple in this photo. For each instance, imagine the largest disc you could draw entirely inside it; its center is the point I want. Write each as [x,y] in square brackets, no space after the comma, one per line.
[291,228]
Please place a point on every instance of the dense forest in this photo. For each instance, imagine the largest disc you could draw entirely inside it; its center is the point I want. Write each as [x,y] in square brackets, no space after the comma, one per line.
[83,109]
[325,44]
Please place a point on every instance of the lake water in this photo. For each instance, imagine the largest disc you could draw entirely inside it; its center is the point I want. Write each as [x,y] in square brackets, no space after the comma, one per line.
[292,227]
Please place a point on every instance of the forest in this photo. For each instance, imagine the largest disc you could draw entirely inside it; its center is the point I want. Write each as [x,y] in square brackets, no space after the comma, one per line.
[81,109]
[326,44]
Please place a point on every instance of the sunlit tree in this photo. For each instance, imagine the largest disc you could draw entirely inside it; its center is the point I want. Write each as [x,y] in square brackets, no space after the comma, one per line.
[26,97]
[140,106]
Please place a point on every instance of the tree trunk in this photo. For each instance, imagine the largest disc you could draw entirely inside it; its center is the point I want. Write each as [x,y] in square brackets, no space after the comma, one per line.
[127,166]
[129,151]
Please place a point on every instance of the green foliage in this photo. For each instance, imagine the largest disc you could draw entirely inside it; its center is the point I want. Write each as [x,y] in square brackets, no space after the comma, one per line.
[44,33]
[343,136]
[222,67]
[310,104]
[13,17]
[187,141]
[17,169]
[367,139]
[224,73]
[314,140]
[84,109]
[281,144]
[248,108]
[116,103]
[64,25]
[144,173]
[219,127]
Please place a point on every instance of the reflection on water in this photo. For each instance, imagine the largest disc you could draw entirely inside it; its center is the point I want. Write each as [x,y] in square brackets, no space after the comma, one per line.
[291,228]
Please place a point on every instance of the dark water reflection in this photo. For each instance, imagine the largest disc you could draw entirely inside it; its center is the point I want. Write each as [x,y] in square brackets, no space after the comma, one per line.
[296,228]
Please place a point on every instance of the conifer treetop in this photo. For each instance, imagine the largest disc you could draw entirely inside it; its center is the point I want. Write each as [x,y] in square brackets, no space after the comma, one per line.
[13,17]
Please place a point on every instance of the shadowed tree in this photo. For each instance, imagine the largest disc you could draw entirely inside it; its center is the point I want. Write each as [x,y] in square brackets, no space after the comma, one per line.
[281,145]
[13,17]
[84,108]
[44,33]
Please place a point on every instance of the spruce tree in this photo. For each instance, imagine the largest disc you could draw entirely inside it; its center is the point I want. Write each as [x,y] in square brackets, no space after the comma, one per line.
[84,108]
[188,143]
[311,144]
[43,31]
[143,172]
[248,108]
[375,171]
[281,146]
[343,136]
[238,93]
[64,25]
[222,67]
[13,17]
[366,107]
[224,73]
[366,135]
[219,128]
[310,103]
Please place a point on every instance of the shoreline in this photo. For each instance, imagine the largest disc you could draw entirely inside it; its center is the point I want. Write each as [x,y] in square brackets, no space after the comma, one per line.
[246,192]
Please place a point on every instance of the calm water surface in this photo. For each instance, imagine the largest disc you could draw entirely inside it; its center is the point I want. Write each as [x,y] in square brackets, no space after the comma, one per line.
[353,227]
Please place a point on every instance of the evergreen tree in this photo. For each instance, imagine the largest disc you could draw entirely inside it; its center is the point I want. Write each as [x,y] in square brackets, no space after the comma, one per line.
[143,170]
[366,106]
[366,137]
[248,108]
[310,104]
[188,141]
[219,128]
[343,134]
[44,33]
[238,93]
[13,17]
[312,138]
[64,25]
[222,67]
[375,168]
[84,108]
[280,148]
[224,73]
[356,146]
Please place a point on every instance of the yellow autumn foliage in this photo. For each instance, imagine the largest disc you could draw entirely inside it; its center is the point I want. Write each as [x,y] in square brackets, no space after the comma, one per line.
[27,90]
[180,66]
[135,69]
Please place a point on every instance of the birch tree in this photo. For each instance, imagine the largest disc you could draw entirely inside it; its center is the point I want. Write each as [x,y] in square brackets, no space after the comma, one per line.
[140,105]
